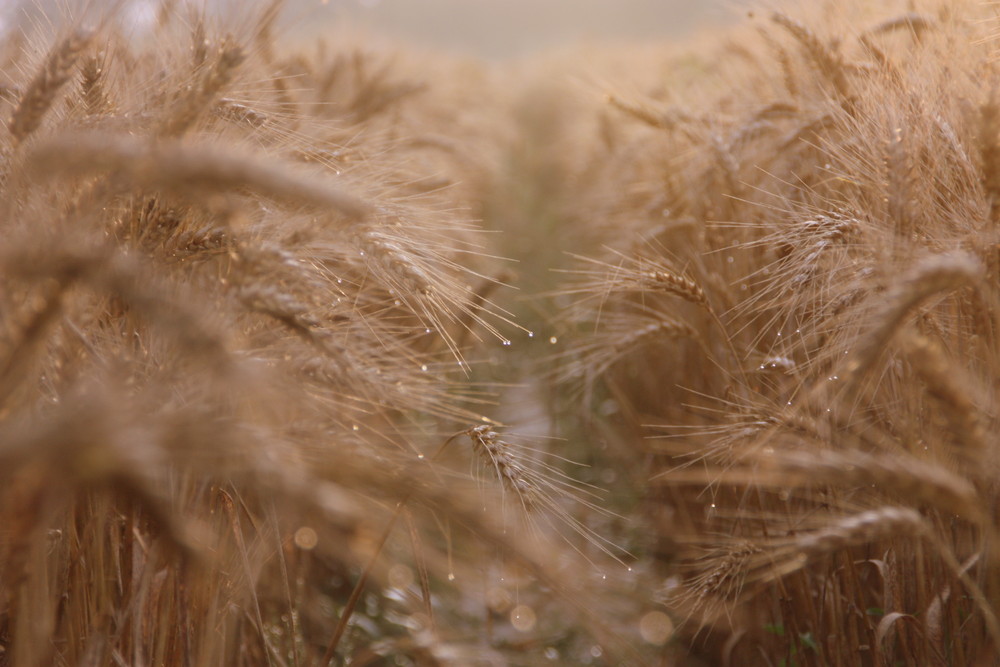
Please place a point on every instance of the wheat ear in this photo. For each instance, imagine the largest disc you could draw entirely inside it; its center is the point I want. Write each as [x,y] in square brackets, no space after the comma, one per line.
[863,528]
[41,92]
[240,113]
[661,120]
[488,444]
[899,473]
[825,60]
[911,22]
[186,169]
[95,97]
[934,275]
[679,285]
[189,107]
[951,386]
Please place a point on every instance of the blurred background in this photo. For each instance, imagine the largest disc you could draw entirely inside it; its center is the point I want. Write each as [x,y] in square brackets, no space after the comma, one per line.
[494,29]
[513,28]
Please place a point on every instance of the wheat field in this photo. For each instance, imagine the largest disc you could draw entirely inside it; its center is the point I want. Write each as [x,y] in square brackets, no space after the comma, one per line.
[336,353]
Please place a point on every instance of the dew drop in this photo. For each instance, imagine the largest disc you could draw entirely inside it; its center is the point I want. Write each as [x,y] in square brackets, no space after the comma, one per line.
[656,628]
[523,618]
[420,456]
[354,428]
[552,653]
[305,538]
[506,343]
[553,340]
[427,330]
[531,334]
[451,576]
[423,367]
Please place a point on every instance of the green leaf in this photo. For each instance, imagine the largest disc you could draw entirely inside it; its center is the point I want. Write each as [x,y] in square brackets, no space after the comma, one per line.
[775,629]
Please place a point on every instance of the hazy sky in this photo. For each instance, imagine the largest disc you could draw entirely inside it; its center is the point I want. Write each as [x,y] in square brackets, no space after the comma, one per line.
[499,28]
[489,28]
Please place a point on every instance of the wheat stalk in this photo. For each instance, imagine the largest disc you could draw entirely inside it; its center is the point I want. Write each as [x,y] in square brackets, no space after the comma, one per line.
[989,151]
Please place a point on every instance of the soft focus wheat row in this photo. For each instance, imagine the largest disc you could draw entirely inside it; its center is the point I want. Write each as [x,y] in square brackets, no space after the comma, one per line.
[799,330]
[255,348]
[243,306]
